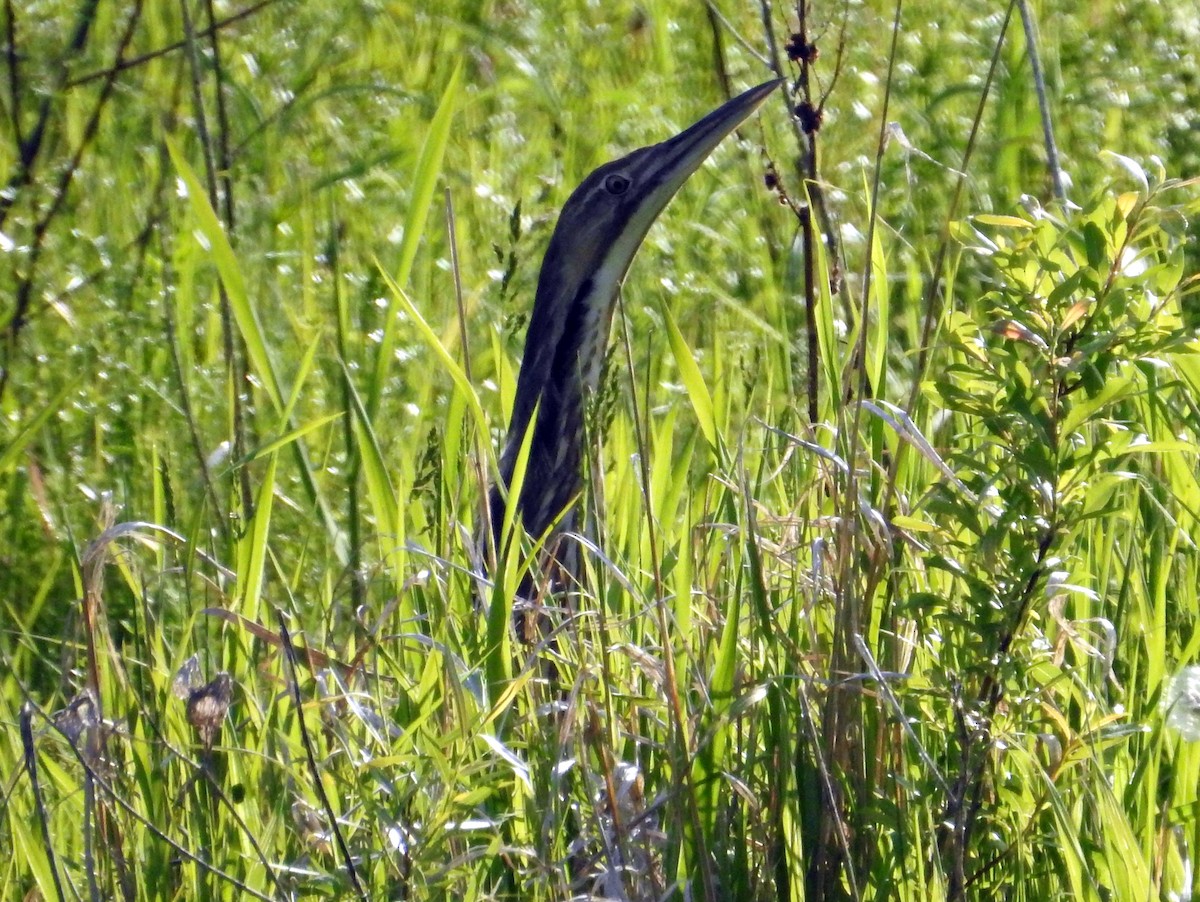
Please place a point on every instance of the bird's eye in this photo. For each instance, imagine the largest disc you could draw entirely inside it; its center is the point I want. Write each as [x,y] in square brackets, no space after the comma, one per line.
[616,184]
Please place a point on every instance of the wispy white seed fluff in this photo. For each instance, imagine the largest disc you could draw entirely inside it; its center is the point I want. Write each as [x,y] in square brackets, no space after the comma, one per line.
[1181,703]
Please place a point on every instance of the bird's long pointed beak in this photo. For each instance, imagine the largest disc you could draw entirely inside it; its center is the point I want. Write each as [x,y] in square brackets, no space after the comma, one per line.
[678,157]
[660,170]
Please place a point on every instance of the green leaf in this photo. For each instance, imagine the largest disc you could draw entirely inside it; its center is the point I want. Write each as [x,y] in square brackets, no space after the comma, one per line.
[1095,245]
[429,166]
[231,276]
[291,436]
[1114,387]
[444,356]
[380,490]
[693,381]
[252,547]
[1007,222]
[21,440]
[1131,166]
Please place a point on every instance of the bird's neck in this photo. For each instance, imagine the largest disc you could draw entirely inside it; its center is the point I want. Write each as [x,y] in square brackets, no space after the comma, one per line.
[557,379]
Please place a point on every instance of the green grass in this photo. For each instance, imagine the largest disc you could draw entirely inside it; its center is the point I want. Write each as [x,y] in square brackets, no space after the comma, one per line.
[914,650]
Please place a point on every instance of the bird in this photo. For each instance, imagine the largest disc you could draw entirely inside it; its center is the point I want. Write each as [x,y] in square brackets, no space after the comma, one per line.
[598,232]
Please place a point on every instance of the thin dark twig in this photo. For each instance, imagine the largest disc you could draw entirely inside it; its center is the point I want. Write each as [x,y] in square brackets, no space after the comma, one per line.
[487,547]
[89,836]
[14,73]
[135,61]
[234,359]
[719,61]
[805,114]
[224,157]
[932,308]
[353,468]
[810,159]
[189,417]
[802,210]
[29,149]
[959,812]
[24,294]
[954,822]
[868,264]
[747,46]
[93,123]
[1039,84]
[808,128]
[840,57]
[38,803]
[205,139]
[852,612]
[318,784]
[136,247]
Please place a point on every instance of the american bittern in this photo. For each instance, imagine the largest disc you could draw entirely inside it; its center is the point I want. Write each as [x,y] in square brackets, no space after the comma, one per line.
[598,232]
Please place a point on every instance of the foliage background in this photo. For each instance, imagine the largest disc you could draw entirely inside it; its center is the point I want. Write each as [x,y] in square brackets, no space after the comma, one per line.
[790,674]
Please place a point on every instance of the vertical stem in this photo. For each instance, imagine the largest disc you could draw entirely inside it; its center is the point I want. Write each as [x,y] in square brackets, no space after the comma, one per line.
[234,357]
[1039,84]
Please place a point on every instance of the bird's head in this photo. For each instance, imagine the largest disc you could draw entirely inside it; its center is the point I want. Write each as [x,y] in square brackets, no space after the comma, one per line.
[599,231]
[606,218]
